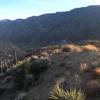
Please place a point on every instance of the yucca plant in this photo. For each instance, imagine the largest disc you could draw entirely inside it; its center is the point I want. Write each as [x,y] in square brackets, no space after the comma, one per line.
[74,94]
[58,93]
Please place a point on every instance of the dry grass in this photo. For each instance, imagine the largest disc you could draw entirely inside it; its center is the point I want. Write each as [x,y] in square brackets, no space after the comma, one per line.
[53,47]
[56,51]
[89,47]
[77,48]
[72,48]
[96,71]
[44,54]
[83,67]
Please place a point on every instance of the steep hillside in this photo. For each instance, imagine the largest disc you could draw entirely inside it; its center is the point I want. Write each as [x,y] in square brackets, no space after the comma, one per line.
[8,51]
[75,25]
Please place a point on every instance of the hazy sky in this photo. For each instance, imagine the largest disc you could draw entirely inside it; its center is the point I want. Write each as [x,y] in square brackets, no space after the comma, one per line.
[12,9]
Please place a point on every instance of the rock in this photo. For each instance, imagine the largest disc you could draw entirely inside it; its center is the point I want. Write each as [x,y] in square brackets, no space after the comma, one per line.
[44,54]
[21,96]
[35,57]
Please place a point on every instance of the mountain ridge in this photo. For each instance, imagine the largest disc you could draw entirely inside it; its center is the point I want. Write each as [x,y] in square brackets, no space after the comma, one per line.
[36,31]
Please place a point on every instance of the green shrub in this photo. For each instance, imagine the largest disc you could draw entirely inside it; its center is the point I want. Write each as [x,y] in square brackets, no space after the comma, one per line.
[37,67]
[18,77]
[58,93]
[27,72]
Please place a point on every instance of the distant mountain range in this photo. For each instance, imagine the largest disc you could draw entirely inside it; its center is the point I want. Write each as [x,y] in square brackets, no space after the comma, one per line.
[75,25]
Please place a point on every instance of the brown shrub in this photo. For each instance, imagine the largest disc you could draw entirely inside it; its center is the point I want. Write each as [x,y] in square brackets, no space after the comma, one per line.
[89,47]
[56,51]
[72,48]
[44,54]
[35,57]
[53,47]
[96,72]
[93,87]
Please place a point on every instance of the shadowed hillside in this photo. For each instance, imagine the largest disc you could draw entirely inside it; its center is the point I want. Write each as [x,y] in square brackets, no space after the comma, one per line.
[8,50]
[75,25]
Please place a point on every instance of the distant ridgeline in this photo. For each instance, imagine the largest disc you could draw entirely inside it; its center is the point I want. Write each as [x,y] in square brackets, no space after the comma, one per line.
[75,25]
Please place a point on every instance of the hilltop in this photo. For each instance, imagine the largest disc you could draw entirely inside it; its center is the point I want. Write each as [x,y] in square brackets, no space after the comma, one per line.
[72,65]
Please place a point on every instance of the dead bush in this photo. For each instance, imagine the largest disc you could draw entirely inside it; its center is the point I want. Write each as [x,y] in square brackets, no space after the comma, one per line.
[89,47]
[93,87]
[96,72]
[72,48]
